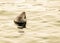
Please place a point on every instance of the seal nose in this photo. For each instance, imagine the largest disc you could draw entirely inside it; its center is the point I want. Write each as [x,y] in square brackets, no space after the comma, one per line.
[20,20]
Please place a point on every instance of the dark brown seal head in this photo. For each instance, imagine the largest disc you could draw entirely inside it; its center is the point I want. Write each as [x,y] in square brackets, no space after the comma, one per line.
[20,20]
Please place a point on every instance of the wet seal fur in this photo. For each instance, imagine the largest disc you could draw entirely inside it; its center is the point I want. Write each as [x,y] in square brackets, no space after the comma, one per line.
[20,20]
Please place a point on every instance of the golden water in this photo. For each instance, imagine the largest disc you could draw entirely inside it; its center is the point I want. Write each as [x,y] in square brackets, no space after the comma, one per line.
[43,21]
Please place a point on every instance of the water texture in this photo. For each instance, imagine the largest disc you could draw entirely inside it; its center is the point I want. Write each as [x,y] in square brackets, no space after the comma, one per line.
[43,21]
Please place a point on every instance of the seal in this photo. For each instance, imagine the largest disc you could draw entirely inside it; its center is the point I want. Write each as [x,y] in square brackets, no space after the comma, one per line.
[20,20]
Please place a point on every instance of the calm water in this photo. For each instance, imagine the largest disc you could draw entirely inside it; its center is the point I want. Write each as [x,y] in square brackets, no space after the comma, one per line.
[43,22]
